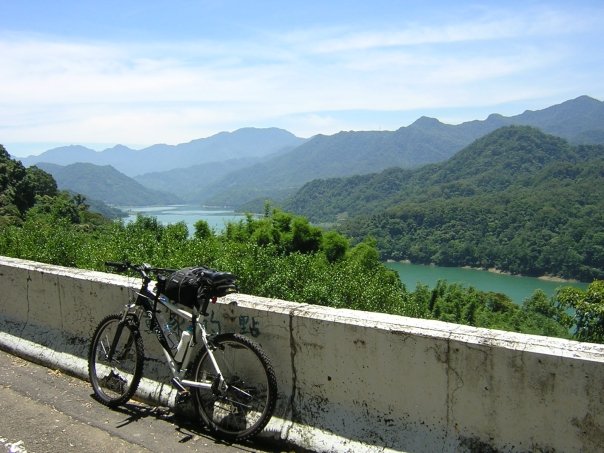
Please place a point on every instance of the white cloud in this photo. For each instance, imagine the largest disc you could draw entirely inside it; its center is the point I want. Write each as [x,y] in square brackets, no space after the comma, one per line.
[494,25]
[91,91]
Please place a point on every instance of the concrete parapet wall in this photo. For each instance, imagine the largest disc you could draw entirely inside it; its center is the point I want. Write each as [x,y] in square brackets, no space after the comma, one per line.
[357,381]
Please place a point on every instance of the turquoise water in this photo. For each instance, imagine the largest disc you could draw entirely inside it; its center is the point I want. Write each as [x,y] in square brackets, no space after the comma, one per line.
[515,287]
[216,218]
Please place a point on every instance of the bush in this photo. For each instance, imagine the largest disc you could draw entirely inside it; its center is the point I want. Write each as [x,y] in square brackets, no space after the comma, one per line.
[283,256]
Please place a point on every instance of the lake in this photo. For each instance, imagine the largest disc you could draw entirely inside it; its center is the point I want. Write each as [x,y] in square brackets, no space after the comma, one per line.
[515,287]
[216,218]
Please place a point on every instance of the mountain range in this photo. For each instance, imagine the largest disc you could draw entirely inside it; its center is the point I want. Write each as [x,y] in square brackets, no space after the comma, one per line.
[241,144]
[517,200]
[491,164]
[249,165]
[104,183]
[427,140]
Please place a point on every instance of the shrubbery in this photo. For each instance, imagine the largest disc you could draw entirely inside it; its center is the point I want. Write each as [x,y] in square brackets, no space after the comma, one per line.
[283,256]
[279,255]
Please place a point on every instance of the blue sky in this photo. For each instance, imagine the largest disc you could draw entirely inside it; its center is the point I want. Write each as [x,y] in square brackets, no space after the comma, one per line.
[101,73]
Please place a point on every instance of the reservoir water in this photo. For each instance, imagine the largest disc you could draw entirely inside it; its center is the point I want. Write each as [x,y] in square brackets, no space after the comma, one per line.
[516,287]
[216,218]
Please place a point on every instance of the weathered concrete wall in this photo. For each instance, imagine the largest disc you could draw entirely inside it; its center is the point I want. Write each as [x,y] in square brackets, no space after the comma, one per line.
[357,381]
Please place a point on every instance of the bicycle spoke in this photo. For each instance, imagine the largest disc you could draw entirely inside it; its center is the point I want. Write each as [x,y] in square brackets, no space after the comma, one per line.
[245,407]
[115,381]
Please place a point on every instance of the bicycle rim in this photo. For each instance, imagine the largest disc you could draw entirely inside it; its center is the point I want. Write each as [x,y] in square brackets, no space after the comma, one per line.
[248,404]
[114,382]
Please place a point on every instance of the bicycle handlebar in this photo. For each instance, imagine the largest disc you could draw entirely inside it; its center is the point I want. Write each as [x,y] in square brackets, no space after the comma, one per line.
[143,269]
[119,267]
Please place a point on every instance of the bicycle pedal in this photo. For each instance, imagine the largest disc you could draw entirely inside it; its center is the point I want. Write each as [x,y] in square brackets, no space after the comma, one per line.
[182,397]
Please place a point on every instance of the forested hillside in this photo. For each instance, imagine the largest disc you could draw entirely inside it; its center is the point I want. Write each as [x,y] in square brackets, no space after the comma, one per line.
[26,193]
[517,200]
[106,184]
[427,140]
[19,187]
[279,255]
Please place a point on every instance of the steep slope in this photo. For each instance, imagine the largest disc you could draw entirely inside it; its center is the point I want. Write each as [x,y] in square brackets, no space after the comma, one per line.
[106,184]
[517,200]
[549,223]
[492,163]
[192,184]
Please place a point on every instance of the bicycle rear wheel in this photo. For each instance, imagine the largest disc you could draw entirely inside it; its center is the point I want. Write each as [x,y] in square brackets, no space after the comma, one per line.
[115,381]
[244,409]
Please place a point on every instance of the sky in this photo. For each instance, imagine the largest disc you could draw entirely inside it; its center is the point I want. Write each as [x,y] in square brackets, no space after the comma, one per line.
[137,73]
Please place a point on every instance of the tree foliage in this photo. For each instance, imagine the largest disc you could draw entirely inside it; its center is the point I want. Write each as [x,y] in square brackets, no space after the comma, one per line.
[19,187]
[282,255]
[517,200]
[588,309]
[352,277]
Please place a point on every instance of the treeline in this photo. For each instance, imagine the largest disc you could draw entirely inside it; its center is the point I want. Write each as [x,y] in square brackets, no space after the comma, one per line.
[554,227]
[281,255]
[517,200]
[19,187]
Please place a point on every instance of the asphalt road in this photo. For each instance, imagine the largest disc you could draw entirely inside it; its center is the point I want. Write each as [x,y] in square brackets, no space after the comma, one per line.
[46,411]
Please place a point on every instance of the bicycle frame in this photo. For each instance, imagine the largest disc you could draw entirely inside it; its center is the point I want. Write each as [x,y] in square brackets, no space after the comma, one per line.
[236,402]
[147,301]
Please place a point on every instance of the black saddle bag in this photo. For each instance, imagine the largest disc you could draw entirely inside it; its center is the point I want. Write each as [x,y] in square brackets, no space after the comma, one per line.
[191,285]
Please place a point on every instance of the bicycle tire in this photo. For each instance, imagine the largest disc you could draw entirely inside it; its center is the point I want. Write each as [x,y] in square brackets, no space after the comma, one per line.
[245,409]
[115,382]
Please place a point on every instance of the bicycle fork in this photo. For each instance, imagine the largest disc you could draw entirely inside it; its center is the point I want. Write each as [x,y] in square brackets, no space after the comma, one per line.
[118,334]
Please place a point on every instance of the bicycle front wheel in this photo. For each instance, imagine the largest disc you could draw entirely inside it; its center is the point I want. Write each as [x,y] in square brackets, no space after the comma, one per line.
[115,380]
[244,408]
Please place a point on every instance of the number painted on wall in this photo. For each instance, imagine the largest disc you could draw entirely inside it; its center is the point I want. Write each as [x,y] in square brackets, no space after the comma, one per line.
[248,325]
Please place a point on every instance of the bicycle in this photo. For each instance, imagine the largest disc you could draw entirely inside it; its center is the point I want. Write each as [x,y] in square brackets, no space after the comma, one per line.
[231,380]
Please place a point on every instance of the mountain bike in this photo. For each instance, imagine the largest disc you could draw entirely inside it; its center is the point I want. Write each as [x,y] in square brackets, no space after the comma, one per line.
[230,380]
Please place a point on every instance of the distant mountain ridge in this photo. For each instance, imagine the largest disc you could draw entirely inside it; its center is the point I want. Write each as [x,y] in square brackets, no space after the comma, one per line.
[427,140]
[289,162]
[490,164]
[242,143]
[193,183]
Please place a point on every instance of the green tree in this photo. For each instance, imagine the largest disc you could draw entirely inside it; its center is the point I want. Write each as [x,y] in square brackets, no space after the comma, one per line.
[547,306]
[305,238]
[202,230]
[588,309]
[265,234]
[60,207]
[334,245]
[366,254]
[35,182]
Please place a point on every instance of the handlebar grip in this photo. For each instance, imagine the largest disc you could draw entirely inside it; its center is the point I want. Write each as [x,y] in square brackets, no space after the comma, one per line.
[164,270]
[118,266]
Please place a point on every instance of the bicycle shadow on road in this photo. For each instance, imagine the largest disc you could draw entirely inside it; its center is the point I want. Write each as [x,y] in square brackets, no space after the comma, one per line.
[189,431]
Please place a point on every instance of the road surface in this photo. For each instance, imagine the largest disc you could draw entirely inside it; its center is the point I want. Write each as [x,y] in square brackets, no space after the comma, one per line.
[46,411]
